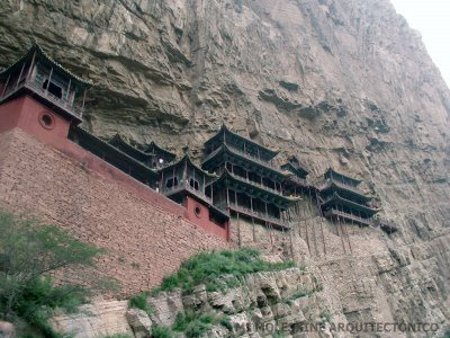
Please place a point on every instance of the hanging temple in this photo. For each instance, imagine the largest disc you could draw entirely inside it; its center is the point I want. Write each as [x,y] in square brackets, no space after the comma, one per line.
[236,178]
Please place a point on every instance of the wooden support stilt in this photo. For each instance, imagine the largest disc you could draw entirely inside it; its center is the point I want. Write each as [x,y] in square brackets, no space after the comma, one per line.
[339,227]
[268,226]
[313,227]
[321,224]
[347,235]
[253,230]
[239,230]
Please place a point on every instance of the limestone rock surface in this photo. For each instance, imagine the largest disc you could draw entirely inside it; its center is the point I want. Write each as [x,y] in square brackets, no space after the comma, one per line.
[342,83]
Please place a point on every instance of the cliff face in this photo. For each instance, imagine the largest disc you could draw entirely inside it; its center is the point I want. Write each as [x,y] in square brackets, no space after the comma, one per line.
[344,83]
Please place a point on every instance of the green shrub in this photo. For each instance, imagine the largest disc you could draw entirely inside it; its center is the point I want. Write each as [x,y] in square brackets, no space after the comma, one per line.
[162,332]
[139,301]
[207,267]
[226,323]
[193,324]
[29,252]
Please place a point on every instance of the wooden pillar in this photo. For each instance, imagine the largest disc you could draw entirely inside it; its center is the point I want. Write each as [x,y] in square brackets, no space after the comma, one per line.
[253,229]
[84,99]
[212,192]
[68,91]
[267,212]
[259,153]
[251,203]
[185,171]
[204,184]
[228,196]
[161,183]
[49,80]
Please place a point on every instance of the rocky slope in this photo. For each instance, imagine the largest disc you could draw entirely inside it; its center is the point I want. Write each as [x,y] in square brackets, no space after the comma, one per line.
[344,83]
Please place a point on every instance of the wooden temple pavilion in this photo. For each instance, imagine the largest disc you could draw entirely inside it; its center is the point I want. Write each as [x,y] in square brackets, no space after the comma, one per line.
[341,200]
[249,184]
[39,76]
[151,155]
[295,182]
[187,184]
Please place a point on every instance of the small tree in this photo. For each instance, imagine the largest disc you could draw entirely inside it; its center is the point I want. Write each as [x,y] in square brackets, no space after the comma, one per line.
[29,253]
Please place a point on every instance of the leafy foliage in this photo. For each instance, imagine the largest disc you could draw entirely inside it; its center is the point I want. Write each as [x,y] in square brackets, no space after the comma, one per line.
[162,332]
[207,267]
[139,301]
[194,325]
[29,252]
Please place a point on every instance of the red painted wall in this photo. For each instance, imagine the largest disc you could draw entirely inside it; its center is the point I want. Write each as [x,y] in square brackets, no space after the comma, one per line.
[199,214]
[27,114]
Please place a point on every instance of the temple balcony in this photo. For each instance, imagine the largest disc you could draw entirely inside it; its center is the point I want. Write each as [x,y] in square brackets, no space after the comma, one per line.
[336,199]
[344,216]
[254,183]
[35,86]
[186,187]
[276,222]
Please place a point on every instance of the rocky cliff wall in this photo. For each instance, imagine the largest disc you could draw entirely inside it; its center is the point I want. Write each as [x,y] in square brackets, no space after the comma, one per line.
[344,83]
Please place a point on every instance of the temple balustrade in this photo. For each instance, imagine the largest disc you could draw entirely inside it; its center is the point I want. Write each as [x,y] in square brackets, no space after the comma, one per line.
[340,214]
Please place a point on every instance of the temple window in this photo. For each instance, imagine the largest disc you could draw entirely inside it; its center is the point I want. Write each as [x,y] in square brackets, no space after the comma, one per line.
[172,182]
[194,184]
[53,89]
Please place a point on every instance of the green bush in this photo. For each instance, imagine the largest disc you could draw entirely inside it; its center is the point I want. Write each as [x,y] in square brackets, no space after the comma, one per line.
[29,252]
[162,332]
[194,324]
[207,267]
[139,301]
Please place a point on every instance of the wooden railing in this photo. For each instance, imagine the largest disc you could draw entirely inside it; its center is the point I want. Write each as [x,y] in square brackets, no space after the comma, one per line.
[36,87]
[255,214]
[347,216]
[259,185]
[186,186]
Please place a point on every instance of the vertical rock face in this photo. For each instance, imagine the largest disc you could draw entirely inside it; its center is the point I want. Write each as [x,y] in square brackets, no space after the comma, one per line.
[344,83]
